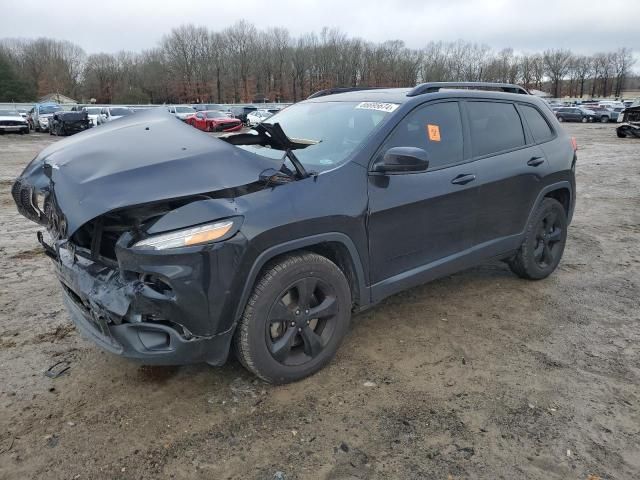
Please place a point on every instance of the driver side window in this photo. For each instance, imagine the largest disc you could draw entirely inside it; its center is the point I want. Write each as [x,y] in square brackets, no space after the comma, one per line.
[436,128]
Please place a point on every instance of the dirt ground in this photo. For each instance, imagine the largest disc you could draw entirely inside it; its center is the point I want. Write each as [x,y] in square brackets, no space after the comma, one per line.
[477,375]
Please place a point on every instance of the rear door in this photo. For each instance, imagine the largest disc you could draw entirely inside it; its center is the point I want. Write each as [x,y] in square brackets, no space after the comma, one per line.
[420,218]
[510,165]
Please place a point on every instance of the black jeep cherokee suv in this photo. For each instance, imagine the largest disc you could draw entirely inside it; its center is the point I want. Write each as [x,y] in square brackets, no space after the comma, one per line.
[172,245]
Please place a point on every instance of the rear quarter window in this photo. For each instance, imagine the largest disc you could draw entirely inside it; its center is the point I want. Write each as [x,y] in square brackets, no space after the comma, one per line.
[540,129]
[494,127]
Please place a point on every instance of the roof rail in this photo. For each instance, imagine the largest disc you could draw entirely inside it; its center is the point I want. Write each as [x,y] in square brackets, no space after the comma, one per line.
[431,87]
[333,91]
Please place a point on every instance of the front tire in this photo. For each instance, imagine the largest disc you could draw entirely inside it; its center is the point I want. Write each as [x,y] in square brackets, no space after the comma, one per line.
[544,241]
[560,119]
[604,119]
[295,319]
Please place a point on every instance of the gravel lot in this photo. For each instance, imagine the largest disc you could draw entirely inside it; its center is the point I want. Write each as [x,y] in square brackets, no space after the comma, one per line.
[477,375]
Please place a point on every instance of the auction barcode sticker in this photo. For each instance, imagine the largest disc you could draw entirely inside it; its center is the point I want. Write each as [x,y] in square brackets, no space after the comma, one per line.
[383,107]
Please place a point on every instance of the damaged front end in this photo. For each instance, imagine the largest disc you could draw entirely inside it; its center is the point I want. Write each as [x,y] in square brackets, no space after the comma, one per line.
[143,227]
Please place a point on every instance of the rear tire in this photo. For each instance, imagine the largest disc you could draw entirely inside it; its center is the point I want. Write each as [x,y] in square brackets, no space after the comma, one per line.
[544,241]
[295,319]
[560,119]
[585,119]
[604,119]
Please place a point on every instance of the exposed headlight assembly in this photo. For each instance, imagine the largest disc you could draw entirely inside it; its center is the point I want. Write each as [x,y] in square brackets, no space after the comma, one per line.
[187,237]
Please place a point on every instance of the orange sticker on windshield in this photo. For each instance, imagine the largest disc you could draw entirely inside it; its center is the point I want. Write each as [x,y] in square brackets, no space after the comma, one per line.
[434,132]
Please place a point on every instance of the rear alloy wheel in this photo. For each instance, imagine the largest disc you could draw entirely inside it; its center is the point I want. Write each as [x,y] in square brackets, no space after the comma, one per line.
[295,319]
[543,245]
[585,119]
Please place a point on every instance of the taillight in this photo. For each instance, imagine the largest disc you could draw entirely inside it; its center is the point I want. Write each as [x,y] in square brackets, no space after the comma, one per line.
[574,144]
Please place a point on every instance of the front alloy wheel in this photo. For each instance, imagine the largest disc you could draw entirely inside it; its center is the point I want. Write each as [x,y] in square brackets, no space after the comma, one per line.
[295,319]
[301,321]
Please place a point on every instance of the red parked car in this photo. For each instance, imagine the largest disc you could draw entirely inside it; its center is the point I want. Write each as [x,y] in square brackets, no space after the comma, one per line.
[214,121]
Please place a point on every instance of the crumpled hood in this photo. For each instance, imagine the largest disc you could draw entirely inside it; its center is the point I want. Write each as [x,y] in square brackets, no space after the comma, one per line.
[145,157]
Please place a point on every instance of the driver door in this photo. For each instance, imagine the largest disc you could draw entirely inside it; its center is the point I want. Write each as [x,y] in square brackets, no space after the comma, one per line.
[200,121]
[419,221]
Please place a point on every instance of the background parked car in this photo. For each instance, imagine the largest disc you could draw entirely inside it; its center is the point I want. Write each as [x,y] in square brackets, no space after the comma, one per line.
[113,113]
[41,114]
[181,111]
[574,114]
[241,112]
[630,126]
[254,118]
[203,107]
[68,123]
[12,121]
[214,121]
[605,113]
[611,104]
[93,114]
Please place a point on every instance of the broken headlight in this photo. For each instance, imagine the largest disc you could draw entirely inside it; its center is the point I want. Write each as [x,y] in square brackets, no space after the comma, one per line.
[187,237]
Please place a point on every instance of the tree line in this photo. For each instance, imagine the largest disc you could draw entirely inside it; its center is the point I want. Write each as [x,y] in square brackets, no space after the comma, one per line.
[244,64]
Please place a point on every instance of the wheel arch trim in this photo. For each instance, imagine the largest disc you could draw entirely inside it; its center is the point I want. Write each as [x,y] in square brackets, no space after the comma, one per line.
[298,244]
[564,184]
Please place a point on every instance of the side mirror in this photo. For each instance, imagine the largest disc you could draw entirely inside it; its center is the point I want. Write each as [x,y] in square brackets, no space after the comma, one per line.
[399,160]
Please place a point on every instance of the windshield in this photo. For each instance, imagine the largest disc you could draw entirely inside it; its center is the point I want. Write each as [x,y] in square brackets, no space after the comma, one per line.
[215,114]
[93,111]
[335,128]
[9,113]
[184,110]
[45,109]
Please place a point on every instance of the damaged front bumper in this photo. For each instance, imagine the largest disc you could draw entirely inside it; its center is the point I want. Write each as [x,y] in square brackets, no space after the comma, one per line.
[161,309]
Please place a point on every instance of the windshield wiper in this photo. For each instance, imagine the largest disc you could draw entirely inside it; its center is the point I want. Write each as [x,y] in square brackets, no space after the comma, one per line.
[274,130]
[271,134]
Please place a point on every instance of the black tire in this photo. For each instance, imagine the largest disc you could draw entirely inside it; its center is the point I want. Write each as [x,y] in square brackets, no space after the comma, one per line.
[604,119]
[620,133]
[277,337]
[544,241]
[560,119]
[584,120]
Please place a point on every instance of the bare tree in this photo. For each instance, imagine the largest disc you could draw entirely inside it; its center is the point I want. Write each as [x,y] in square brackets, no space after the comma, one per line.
[557,65]
[622,62]
[240,63]
[241,46]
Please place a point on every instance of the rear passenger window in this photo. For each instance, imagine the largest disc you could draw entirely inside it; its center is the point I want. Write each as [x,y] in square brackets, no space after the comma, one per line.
[494,127]
[539,127]
[436,128]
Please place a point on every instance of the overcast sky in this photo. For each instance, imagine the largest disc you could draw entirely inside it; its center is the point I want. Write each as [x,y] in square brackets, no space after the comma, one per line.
[585,26]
